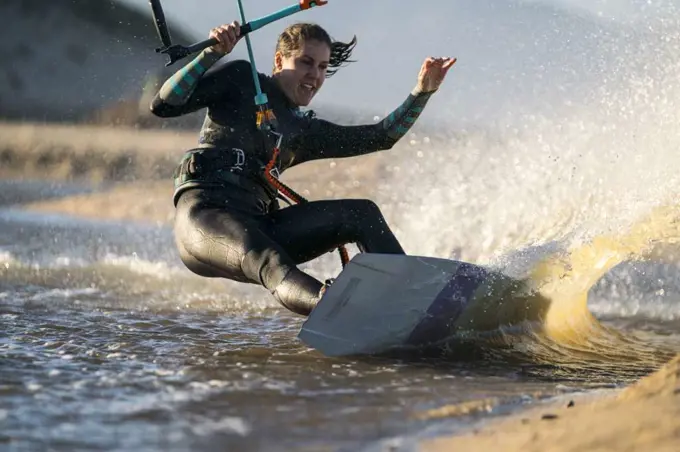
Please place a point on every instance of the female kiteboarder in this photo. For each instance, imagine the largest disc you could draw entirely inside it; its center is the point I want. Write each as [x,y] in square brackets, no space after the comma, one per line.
[228,220]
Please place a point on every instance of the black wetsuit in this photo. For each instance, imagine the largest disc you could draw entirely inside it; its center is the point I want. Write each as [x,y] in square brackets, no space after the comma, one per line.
[228,219]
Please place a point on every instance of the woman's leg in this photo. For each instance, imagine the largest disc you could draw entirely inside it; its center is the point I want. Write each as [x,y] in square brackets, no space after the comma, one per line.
[311,229]
[217,242]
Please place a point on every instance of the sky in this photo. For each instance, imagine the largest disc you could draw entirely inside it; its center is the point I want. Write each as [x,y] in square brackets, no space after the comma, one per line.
[513,56]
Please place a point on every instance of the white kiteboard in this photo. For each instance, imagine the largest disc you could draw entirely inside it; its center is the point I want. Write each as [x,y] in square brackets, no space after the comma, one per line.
[382,302]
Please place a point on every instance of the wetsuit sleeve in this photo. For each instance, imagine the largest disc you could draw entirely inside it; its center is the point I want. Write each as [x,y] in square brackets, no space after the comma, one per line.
[325,139]
[193,87]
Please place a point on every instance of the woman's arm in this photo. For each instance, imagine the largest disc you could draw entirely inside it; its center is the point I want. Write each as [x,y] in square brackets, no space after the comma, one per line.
[324,139]
[327,140]
[190,89]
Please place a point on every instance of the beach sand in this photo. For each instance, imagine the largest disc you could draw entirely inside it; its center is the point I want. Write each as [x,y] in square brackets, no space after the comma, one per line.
[125,175]
[643,417]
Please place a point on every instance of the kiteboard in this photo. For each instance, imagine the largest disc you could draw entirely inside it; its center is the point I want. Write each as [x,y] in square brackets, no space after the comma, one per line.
[381,303]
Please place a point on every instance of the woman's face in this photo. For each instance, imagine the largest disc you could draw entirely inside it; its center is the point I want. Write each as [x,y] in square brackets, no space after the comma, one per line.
[302,73]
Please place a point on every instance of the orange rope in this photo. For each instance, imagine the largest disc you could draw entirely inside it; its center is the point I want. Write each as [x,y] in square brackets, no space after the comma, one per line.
[295,197]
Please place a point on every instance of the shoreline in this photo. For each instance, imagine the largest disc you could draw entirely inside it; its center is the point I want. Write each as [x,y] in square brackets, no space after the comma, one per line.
[644,416]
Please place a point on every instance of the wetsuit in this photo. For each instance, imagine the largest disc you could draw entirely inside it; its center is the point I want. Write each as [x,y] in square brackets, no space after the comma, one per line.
[228,220]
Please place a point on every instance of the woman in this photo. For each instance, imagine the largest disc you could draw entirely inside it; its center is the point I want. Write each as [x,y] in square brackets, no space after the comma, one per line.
[228,221]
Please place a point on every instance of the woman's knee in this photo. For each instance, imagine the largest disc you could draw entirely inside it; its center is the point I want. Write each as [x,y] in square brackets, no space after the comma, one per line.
[364,211]
[362,206]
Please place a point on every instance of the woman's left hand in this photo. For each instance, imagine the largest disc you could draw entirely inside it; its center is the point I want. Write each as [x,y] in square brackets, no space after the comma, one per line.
[432,73]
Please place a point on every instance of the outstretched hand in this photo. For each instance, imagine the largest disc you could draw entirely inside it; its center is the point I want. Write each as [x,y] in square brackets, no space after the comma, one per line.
[432,73]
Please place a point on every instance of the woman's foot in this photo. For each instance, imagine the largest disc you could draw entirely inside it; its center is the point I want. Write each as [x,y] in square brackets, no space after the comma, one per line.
[325,286]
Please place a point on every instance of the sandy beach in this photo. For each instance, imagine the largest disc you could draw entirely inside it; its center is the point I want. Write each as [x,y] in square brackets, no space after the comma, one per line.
[643,417]
[124,174]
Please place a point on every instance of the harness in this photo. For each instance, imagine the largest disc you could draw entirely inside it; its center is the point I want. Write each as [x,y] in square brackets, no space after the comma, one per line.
[222,168]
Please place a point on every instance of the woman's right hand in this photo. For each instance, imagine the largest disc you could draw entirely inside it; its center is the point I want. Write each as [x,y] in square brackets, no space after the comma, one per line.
[227,37]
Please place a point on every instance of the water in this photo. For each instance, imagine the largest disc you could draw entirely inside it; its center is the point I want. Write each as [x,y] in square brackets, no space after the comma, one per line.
[127,380]
[109,344]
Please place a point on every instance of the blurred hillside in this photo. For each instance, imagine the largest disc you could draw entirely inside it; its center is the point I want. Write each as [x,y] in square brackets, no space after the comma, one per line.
[90,62]
[64,60]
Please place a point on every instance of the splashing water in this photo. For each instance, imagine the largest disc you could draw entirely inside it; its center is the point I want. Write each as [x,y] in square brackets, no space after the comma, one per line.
[572,203]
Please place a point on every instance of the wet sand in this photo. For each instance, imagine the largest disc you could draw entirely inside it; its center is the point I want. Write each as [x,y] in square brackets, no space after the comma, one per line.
[642,417]
[125,174]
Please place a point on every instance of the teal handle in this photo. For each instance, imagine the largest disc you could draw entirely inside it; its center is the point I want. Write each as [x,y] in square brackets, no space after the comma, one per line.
[266,20]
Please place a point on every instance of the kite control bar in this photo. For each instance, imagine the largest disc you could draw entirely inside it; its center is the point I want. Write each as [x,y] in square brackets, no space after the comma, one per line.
[177,52]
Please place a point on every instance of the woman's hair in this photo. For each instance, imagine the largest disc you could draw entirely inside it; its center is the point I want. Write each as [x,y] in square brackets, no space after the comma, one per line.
[294,36]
